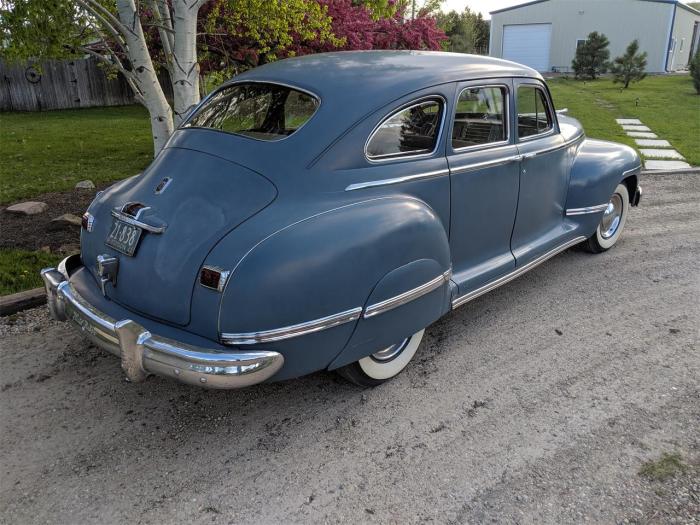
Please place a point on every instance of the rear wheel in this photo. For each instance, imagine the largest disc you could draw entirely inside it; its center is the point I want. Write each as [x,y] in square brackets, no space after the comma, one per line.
[383,365]
[612,223]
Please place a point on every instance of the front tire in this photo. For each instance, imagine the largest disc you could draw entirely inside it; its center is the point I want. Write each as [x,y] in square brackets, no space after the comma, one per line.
[612,223]
[383,365]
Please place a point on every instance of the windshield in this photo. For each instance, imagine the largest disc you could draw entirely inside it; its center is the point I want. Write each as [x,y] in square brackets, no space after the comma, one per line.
[258,110]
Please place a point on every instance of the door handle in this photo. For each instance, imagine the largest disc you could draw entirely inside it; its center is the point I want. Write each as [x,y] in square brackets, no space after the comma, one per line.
[526,156]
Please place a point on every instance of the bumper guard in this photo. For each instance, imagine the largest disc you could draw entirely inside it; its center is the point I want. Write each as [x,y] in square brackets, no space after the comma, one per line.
[143,353]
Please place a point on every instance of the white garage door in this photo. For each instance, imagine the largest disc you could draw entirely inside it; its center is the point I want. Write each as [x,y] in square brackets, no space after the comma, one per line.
[528,44]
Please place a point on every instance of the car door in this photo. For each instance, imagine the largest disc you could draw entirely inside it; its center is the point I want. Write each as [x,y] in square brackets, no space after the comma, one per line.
[544,173]
[484,171]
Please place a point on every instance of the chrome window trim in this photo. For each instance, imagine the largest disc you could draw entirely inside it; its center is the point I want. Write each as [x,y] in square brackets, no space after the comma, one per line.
[412,155]
[405,297]
[258,81]
[459,301]
[487,145]
[550,111]
[130,220]
[287,332]
[586,210]
[397,180]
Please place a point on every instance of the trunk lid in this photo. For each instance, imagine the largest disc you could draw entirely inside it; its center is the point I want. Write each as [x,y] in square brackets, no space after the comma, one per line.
[199,198]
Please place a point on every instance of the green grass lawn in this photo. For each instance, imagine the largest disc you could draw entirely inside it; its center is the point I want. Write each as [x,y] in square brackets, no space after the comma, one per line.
[19,269]
[52,150]
[667,104]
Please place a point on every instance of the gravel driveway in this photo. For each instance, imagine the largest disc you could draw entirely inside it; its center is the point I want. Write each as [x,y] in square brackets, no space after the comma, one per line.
[536,403]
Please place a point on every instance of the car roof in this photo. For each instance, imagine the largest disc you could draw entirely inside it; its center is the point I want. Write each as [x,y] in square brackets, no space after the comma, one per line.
[382,73]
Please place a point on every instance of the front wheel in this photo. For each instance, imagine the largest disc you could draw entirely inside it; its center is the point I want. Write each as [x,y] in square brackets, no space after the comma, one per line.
[383,365]
[612,223]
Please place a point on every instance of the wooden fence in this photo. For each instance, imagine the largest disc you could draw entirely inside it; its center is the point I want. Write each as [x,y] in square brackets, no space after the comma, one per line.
[56,84]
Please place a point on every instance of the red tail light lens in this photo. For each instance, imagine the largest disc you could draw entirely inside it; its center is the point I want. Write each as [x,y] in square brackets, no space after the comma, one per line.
[214,278]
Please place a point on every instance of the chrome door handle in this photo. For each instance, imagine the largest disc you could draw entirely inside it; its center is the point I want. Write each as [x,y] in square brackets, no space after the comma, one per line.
[526,156]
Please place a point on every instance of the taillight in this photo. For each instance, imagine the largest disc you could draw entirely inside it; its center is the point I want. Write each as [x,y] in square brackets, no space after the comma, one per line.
[212,277]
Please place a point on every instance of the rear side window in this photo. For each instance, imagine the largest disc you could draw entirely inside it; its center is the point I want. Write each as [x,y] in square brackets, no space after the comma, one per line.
[411,131]
[534,116]
[480,117]
[258,110]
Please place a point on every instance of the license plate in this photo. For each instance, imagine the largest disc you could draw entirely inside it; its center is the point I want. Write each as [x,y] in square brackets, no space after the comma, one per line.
[123,237]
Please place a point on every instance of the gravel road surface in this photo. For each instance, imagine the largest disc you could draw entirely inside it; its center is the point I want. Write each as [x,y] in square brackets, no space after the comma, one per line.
[536,403]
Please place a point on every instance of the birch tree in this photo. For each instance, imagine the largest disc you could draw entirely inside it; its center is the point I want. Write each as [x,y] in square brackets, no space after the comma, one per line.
[118,33]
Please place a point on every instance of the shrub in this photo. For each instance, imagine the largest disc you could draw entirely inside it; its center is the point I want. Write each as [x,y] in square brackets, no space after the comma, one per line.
[629,67]
[695,71]
[591,57]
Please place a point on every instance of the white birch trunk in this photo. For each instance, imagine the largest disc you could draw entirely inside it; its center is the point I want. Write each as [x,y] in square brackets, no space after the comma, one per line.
[145,78]
[184,68]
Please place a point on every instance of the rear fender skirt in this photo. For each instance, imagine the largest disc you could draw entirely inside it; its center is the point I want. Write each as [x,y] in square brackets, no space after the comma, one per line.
[405,301]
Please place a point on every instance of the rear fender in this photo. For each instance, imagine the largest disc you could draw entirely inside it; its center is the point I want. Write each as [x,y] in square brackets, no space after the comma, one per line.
[330,263]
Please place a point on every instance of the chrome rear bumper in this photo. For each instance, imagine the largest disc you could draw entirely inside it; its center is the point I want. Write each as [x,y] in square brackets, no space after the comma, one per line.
[143,353]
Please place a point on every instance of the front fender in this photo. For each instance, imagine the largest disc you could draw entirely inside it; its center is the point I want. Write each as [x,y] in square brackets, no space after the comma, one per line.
[598,168]
[327,264]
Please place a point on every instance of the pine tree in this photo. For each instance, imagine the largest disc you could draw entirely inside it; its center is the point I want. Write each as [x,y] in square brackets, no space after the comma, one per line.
[591,57]
[695,71]
[630,66]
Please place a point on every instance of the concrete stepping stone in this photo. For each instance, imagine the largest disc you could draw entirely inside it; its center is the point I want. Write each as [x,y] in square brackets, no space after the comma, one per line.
[642,134]
[662,153]
[665,164]
[653,143]
[630,127]
[622,121]
[28,208]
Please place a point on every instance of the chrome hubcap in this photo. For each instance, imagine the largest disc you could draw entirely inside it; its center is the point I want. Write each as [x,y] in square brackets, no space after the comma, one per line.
[390,352]
[611,217]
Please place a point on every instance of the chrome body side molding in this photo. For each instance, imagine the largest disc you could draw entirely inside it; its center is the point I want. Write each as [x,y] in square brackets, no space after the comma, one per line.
[279,334]
[410,295]
[397,180]
[584,211]
[459,301]
[487,164]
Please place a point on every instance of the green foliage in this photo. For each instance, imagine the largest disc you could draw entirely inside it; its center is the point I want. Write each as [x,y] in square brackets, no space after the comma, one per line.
[667,466]
[591,57]
[629,67]
[19,269]
[467,31]
[42,29]
[270,26]
[695,71]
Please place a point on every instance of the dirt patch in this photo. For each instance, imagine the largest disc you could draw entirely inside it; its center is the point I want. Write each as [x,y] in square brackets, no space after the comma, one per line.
[33,232]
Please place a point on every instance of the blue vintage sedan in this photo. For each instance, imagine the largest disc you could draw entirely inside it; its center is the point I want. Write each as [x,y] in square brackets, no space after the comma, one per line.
[318,213]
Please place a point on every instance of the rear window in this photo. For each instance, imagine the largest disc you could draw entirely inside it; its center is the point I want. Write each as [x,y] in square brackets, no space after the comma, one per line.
[410,131]
[258,110]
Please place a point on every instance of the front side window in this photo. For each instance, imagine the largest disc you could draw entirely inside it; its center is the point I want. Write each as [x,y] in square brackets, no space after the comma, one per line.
[410,131]
[534,117]
[480,117]
[258,110]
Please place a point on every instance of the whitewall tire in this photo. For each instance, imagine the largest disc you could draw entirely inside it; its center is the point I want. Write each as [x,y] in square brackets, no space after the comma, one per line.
[612,223]
[383,364]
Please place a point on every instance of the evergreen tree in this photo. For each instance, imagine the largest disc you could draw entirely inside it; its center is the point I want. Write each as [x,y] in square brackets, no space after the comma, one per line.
[695,71]
[591,57]
[630,66]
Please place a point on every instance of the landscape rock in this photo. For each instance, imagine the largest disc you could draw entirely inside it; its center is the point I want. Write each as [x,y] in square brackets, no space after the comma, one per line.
[28,208]
[85,185]
[67,220]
